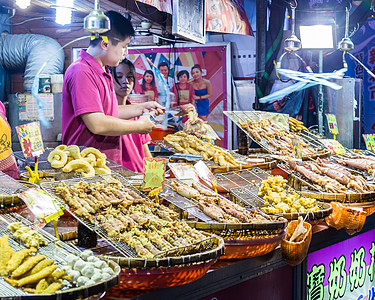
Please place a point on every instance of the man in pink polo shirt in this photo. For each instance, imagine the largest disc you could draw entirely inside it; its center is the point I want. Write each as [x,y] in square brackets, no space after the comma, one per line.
[90,113]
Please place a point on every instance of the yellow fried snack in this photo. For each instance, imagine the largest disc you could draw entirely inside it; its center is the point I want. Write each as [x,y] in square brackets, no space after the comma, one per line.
[80,164]
[56,275]
[36,277]
[101,171]
[17,259]
[57,158]
[90,150]
[61,147]
[73,151]
[12,282]
[40,266]
[41,286]
[28,263]
[53,287]
[6,253]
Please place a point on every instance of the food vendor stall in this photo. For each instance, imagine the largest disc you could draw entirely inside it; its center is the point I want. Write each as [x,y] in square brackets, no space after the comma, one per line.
[292,217]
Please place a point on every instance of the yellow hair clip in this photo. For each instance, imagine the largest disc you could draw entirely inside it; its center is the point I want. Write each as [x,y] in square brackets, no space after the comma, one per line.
[104,38]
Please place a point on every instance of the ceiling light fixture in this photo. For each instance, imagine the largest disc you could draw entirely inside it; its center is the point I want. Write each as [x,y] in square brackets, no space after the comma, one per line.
[64,11]
[96,22]
[23,3]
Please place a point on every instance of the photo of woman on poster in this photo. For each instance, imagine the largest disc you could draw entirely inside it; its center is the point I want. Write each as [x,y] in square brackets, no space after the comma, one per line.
[202,91]
[148,86]
[183,90]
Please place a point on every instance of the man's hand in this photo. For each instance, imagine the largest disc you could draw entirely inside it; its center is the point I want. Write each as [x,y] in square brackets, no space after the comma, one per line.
[153,107]
[144,125]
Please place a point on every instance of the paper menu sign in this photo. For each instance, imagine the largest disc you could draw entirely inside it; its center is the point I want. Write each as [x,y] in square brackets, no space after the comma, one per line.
[184,171]
[154,175]
[334,146]
[369,141]
[41,204]
[205,174]
[332,124]
[30,138]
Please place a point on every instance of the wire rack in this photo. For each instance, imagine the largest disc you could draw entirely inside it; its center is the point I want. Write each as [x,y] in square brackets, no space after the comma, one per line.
[186,204]
[169,147]
[10,186]
[245,116]
[116,243]
[55,249]
[249,193]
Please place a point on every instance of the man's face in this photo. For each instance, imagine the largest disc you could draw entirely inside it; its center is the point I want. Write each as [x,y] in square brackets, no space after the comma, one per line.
[115,54]
[164,70]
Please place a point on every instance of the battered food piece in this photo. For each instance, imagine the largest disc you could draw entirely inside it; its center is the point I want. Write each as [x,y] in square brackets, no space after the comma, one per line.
[28,263]
[17,259]
[40,266]
[57,158]
[88,170]
[41,286]
[6,253]
[74,151]
[53,287]
[36,277]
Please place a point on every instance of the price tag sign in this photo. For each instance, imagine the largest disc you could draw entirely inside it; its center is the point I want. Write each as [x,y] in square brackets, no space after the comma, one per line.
[297,148]
[205,174]
[31,139]
[369,141]
[332,124]
[154,173]
[41,204]
[334,146]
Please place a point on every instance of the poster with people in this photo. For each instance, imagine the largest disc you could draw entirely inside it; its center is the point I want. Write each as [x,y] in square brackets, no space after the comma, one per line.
[195,74]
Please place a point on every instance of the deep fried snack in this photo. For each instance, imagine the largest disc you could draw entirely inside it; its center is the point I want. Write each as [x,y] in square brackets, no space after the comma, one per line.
[61,147]
[80,164]
[41,286]
[40,266]
[90,150]
[36,277]
[6,253]
[28,263]
[57,158]
[53,287]
[56,275]
[101,171]
[17,259]
[74,151]
[12,282]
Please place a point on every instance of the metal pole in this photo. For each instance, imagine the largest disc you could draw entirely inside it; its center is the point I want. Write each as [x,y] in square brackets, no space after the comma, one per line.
[321,96]
[261,31]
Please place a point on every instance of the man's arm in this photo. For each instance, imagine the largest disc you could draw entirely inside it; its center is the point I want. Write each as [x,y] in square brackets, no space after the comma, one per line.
[99,123]
[135,110]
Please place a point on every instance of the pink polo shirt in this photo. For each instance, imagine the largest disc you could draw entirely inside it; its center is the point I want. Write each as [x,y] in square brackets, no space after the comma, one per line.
[88,88]
[132,150]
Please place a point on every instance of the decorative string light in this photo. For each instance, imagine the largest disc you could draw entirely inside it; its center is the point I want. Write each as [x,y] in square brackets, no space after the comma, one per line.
[64,11]
[23,3]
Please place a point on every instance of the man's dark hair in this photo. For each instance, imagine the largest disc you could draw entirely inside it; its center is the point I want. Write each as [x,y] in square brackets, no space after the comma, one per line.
[179,74]
[163,64]
[121,29]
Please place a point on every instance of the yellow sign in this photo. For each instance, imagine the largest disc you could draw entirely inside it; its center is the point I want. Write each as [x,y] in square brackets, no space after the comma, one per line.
[369,141]
[296,148]
[154,173]
[31,139]
[5,139]
[334,146]
[332,124]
